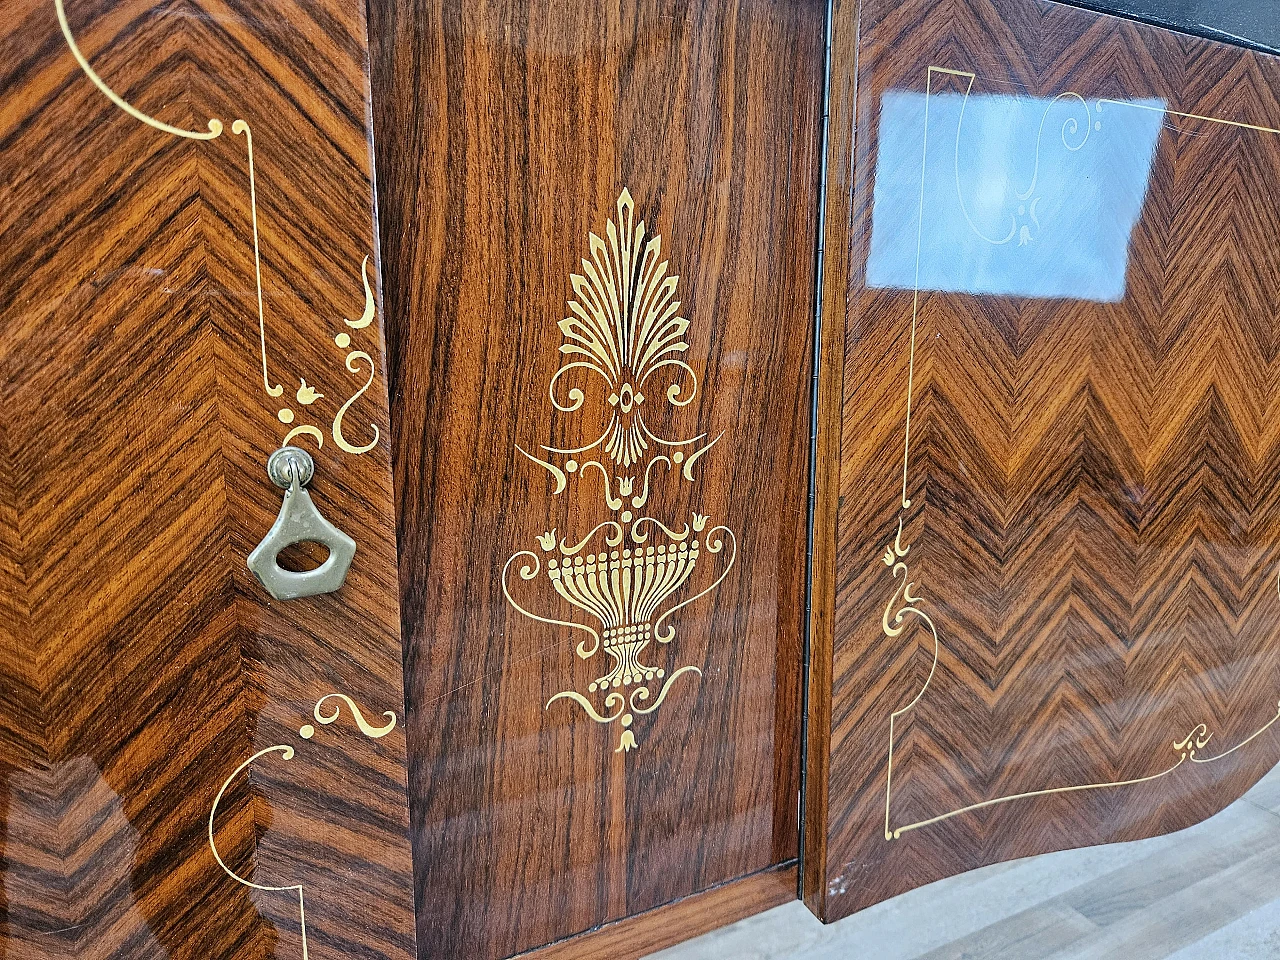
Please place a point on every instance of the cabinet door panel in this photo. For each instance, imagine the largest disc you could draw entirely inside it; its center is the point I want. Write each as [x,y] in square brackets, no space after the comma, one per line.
[1045,580]
[170,294]
[600,449]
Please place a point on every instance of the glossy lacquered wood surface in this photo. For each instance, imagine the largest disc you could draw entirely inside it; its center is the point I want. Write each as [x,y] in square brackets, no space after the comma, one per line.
[140,664]
[1072,633]
[508,134]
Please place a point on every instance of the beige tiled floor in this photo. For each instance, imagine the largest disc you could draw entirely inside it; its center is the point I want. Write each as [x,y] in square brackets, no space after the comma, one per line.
[1208,893]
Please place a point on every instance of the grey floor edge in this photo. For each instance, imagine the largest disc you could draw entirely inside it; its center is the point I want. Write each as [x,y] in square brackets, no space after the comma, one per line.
[1211,892]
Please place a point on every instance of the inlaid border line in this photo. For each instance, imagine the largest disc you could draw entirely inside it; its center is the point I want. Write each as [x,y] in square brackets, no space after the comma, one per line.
[286,751]
[215,125]
[306,395]
[892,623]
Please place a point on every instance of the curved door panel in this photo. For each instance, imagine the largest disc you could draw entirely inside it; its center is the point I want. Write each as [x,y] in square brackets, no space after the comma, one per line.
[1046,602]
[189,768]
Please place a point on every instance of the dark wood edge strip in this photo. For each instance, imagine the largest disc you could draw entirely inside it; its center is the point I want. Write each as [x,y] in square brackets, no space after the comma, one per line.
[812,492]
[1188,26]
[665,926]
[827,417]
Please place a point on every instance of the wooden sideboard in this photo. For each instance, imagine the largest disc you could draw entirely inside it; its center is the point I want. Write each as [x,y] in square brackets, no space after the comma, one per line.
[789,452]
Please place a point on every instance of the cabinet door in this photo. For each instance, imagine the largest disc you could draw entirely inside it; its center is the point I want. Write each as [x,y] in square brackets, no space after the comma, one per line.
[189,279]
[1049,474]
[600,224]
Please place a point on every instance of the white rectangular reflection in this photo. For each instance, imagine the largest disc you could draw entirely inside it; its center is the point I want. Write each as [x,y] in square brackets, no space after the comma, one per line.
[1013,196]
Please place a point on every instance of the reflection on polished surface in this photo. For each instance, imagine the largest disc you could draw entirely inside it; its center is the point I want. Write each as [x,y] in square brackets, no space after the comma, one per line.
[1019,196]
[66,830]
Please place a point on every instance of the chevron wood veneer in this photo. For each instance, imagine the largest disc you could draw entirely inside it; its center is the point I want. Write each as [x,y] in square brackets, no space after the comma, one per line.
[140,664]
[1073,636]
